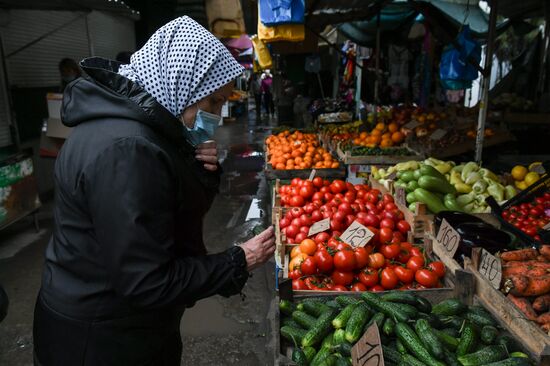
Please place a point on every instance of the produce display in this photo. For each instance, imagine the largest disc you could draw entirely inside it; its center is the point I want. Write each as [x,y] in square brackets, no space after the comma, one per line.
[340,132]
[530,217]
[412,331]
[396,151]
[443,185]
[297,150]
[524,177]
[526,280]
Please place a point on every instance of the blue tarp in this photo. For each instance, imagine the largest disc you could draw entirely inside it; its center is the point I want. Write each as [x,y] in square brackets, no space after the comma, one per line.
[277,12]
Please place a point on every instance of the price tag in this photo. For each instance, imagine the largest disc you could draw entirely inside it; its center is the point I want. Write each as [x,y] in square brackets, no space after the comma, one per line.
[447,240]
[490,268]
[368,350]
[546,227]
[411,125]
[319,226]
[400,196]
[312,174]
[392,176]
[438,134]
[357,235]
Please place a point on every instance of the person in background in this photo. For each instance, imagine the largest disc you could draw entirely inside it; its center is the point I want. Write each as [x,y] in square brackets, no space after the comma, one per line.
[69,71]
[255,90]
[266,87]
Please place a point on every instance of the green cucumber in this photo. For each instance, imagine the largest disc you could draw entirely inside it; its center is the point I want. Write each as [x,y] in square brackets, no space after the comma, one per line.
[507,342]
[409,360]
[293,334]
[400,347]
[329,361]
[306,321]
[450,358]
[449,307]
[512,361]
[391,355]
[480,318]
[312,307]
[447,340]
[450,203]
[320,329]
[410,198]
[400,297]
[389,327]
[429,199]
[377,318]
[327,342]
[286,307]
[434,184]
[411,341]
[519,354]
[489,334]
[411,186]
[310,353]
[333,304]
[412,206]
[484,356]
[429,339]
[343,348]
[342,319]
[290,322]
[347,300]
[406,176]
[408,310]
[299,357]
[356,323]
[417,174]
[468,339]
[452,321]
[339,336]
[423,305]
[343,361]
[432,319]
[452,332]
[427,170]
[390,309]
[320,357]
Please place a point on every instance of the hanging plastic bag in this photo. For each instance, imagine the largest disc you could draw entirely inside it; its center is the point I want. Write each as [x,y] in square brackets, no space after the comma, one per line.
[286,32]
[277,12]
[262,53]
[455,71]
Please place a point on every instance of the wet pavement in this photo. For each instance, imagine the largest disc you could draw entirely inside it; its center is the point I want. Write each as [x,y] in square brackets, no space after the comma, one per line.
[217,330]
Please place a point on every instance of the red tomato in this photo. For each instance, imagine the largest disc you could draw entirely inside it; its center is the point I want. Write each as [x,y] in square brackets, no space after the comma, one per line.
[390,206]
[387,223]
[349,196]
[333,243]
[371,208]
[376,260]
[309,208]
[368,277]
[299,284]
[292,231]
[339,288]
[324,261]
[318,182]
[284,222]
[403,226]
[327,197]
[342,278]
[308,266]
[349,220]
[345,261]
[306,220]
[343,246]
[337,186]
[336,234]
[377,288]
[405,275]
[386,235]
[390,251]
[362,256]
[294,274]
[415,263]
[403,256]
[387,198]
[316,216]
[438,268]
[426,278]
[358,287]
[372,220]
[296,212]
[336,225]
[339,216]
[388,279]
[313,284]
[306,191]
[304,229]
[321,237]
[416,252]
[295,182]
[301,236]
[345,208]
[371,197]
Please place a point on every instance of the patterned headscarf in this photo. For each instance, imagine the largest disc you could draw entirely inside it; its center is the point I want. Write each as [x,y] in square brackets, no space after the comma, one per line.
[181,64]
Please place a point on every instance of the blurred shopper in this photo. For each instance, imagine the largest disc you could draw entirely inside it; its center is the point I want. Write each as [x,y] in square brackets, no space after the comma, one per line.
[267,92]
[133,183]
[69,71]
[255,89]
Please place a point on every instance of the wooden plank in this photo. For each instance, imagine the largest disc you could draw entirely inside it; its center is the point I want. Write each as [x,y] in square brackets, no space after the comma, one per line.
[272,174]
[349,159]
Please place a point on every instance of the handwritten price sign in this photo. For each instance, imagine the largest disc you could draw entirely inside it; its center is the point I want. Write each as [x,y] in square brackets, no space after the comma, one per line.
[368,350]
[447,240]
[490,268]
[357,235]
[319,226]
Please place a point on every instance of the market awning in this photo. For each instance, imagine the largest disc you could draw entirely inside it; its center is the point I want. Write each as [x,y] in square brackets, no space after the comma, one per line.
[113,6]
[320,13]
[514,9]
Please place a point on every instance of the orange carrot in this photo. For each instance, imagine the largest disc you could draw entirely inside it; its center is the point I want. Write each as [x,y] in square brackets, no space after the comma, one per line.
[524,305]
[545,251]
[544,318]
[519,255]
[542,303]
[546,327]
[533,263]
[530,286]
[527,270]
[542,258]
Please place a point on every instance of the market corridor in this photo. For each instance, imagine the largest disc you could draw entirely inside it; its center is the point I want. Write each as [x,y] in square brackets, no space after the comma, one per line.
[217,331]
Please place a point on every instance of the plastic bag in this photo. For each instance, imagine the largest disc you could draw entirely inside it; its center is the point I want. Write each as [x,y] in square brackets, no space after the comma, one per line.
[455,71]
[286,32]
[262,53]
[277,12]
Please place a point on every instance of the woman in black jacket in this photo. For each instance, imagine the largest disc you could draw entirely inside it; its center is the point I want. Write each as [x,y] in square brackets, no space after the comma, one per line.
[133,183]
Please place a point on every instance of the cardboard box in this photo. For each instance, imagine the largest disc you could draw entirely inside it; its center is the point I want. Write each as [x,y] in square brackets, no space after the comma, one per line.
[55,128]
[54,104]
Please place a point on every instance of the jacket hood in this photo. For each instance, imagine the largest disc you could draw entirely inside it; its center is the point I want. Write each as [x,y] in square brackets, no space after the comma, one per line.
[106,94]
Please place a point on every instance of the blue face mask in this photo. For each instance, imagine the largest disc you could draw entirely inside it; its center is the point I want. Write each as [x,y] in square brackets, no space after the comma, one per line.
[204,128]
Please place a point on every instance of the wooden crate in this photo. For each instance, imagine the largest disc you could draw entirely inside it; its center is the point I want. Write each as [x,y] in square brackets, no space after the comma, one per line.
[272,174]
[349,159]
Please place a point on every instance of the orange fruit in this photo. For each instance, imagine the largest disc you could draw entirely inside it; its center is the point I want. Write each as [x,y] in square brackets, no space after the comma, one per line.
[393,127]
[380,126]
[397,137]
[295,251]
[296,261]
[308,246]
[376,132]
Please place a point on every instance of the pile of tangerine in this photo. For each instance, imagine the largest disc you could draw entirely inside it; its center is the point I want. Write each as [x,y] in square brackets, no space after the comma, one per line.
[382,135]
[287,151]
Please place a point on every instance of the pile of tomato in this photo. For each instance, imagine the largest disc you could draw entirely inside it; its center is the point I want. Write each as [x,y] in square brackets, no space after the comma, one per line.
[530,217]
[325,262]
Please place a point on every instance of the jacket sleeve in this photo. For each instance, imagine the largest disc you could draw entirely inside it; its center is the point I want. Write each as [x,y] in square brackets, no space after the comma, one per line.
[131,197]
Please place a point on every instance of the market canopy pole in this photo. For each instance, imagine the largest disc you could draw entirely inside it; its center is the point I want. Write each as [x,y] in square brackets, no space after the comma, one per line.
[486,81]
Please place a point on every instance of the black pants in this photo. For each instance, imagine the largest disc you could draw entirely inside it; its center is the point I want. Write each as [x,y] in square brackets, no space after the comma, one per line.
[144,340]
[258,100]
[268,102]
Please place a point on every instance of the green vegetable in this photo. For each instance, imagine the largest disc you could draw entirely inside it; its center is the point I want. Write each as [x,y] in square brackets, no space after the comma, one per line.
[468,169]
[286,307]
[411,341]
[432,319]
[429,339]
[449,307]
[333,304]
[392,310]
[343,361]
[409,360]
[466,199]
[462,187]
[472,178]
[480,317]
[497,191]
[400,347]
[343,348]
[322,327]
[391,355]
[417,174]
[452,321]
[356,322]
[513,361]
[509,192]
[452,332]
[489,334]
[444,167]
[408,310]
[406,176]
[430,199]
[299,357]
[310,353]
[293,334]
[484,356]
[479,187]
[507,342]
[346,300]
[449,341]
[327,342]
[400,184]
[426,170]
[320,357]
[389,327]
[450,358]
[518,354]
[341,319]
[468,340]
[306,321]
[412,206]
[378,318]
[411,186]
[291,323]
[400,297]
[423,304]
[312,307]
[450,203]
[329,361]
[339,336]
[410,198]
[434,184]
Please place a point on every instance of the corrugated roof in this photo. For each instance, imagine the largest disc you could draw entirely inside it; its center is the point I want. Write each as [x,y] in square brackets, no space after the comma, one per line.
[114,6]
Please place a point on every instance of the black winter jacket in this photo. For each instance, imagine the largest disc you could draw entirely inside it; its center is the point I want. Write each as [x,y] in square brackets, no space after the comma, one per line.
[129,203]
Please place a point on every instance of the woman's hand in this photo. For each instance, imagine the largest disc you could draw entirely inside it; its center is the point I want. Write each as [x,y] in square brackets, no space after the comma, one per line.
[259,249]
[207,152]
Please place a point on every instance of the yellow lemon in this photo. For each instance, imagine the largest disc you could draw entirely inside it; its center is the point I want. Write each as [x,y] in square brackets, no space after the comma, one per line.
[531,178]
[519,172]
[521,185]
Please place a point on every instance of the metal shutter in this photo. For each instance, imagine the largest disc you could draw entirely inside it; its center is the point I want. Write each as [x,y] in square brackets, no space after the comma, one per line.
[111,34]
[5,134]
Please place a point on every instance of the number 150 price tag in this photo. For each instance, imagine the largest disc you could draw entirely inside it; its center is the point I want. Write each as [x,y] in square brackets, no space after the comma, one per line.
[447,240]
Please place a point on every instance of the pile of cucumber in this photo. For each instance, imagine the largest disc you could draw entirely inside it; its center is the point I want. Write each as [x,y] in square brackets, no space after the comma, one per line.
[413,332]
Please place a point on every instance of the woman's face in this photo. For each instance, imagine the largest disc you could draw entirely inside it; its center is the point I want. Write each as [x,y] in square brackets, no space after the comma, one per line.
[212,104]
